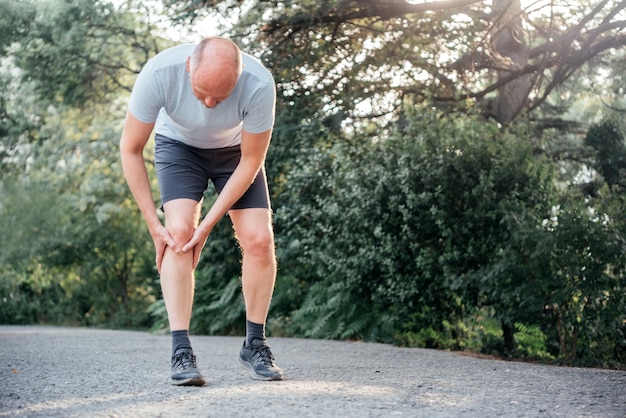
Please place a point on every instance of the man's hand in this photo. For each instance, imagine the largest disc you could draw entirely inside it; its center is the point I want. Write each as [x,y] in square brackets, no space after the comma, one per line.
[196,243]
[162,239]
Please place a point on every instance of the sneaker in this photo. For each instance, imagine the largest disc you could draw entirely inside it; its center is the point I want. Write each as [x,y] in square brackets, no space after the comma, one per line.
[258,358]
[185,370]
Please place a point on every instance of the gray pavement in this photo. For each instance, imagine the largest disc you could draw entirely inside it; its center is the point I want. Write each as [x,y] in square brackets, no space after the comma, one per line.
[76,372]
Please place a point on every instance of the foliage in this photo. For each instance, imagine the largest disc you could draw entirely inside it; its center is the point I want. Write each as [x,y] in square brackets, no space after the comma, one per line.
[72,253]
[568,278]
[64,38]
[587,298]
[347,71]
[408,237]
[86,247]
[400,224]
[608,142]
[369,56]
[404,212]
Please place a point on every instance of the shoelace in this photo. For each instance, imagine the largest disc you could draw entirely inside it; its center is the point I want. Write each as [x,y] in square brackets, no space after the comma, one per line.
[185,359]
[264,355]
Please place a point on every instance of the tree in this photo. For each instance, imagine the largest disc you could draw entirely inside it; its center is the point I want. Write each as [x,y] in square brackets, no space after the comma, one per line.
[451,50]
[83,259]
[610,148]
[352,75]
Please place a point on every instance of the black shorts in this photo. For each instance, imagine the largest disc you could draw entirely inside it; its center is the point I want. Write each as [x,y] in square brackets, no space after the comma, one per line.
[184,172]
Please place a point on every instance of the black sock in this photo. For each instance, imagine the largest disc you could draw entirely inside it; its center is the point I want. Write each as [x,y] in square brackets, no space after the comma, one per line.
[253,331]
[180,339]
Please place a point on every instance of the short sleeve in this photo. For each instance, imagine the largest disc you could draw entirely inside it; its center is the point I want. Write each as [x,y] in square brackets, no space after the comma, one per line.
[146,99]
[261,110]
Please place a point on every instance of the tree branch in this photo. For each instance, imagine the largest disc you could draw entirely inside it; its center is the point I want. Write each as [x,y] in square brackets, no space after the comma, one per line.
[573,62]
[384,9]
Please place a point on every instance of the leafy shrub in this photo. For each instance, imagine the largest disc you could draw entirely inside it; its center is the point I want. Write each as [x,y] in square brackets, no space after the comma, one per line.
[402,225]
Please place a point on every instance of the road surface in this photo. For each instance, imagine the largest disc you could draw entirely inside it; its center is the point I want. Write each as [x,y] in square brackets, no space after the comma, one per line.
[77,372]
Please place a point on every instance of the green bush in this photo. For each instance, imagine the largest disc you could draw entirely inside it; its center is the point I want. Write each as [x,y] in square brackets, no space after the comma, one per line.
[406,238]
[397,226]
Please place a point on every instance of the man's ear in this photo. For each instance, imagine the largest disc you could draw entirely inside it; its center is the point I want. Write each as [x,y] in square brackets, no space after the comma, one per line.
[188,65]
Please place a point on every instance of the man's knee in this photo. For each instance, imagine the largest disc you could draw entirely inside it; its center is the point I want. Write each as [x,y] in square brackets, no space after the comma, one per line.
[258,242]
[181,217]
[181,232]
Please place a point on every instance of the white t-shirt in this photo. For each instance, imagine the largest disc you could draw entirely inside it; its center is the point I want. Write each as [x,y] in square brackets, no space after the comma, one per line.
[162,94]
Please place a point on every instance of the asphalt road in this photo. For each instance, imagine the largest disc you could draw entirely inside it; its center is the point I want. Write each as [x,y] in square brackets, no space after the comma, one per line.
[69,372]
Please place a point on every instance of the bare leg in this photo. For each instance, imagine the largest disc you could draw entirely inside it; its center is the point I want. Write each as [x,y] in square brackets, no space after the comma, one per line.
[177,276]
[177,283]
[253,228]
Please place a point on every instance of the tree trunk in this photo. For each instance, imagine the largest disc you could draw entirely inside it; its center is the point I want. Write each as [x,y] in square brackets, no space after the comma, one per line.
[508,333]
[510,54]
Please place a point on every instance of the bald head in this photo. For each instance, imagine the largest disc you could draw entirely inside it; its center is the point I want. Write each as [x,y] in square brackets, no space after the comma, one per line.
[214,68]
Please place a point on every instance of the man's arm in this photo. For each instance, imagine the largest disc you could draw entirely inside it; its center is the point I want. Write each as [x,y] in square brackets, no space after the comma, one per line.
[134,138]
[253,151]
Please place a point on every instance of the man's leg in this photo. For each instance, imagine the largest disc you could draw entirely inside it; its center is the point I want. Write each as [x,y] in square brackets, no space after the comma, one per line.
[177,285]
[177,277]
[253,228]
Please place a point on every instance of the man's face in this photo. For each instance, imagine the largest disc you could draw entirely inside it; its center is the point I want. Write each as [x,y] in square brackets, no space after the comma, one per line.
[210,97]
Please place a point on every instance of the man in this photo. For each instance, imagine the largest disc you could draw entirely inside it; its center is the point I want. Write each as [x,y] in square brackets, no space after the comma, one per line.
[212,108]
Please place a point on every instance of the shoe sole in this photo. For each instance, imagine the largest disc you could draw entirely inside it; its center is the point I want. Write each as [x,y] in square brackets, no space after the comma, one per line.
[194,381]
[255,375]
